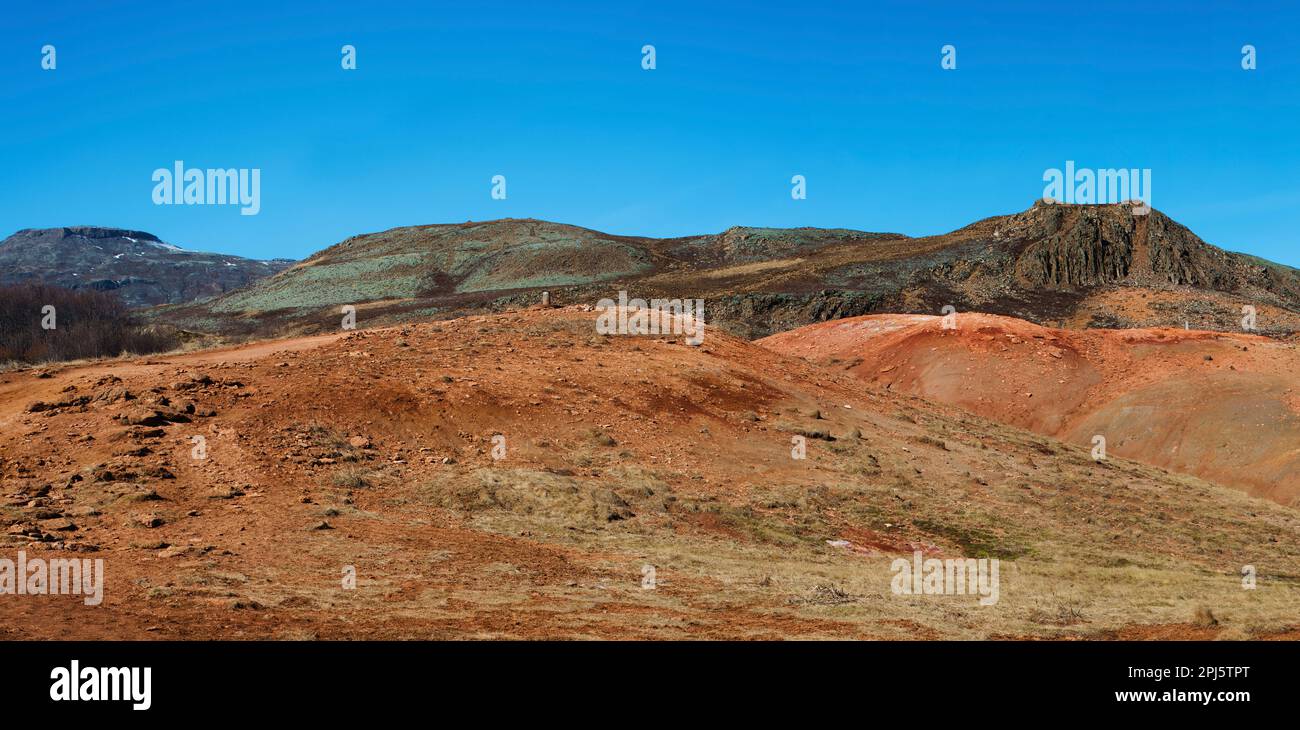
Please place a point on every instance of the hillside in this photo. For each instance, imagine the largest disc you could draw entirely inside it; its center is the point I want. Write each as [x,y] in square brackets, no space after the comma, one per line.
[1080,266]
[373,451]
[1222,406]
[136,266]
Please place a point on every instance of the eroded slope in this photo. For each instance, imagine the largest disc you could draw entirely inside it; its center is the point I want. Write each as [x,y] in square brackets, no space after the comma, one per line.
[373,449]
[1222,406]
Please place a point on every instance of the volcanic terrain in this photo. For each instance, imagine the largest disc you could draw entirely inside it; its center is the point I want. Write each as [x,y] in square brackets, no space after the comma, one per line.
[1223,406]
[1058,265]
[517,475]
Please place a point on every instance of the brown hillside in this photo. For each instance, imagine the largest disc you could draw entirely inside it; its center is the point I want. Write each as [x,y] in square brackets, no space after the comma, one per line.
[373,449]
[1225,407]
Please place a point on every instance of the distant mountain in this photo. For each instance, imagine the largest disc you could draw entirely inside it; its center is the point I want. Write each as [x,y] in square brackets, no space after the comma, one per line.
[134,265]
[1077,265]
[472,261]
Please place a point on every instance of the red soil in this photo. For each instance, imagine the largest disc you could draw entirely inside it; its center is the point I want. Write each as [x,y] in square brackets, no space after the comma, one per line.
[1221,406]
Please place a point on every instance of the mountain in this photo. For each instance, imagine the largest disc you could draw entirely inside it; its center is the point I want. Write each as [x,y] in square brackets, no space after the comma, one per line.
[137,266]
[1077,265]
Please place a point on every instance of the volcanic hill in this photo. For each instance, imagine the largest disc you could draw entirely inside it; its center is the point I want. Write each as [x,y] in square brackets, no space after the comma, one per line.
[1072,265]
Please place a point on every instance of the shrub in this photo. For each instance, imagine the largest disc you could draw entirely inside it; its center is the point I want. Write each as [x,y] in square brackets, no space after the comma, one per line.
[88,324]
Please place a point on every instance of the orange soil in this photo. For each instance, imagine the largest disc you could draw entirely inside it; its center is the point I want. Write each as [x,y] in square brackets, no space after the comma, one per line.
[426,400]
[1222,406]
[373,449]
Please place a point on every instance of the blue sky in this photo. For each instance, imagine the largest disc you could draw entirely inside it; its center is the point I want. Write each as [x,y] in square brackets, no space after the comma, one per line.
[553,96]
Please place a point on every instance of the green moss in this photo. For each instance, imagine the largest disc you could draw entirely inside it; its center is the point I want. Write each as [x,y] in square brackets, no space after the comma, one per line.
[359,280]
[975,542]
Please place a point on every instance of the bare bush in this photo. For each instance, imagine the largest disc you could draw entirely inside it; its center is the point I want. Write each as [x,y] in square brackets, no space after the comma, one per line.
[88,324]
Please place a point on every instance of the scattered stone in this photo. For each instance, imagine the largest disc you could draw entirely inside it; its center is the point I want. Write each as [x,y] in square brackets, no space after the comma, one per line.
[143,417]
[147,520]
[39,406]
[107,475]
[113,395]
[158,472]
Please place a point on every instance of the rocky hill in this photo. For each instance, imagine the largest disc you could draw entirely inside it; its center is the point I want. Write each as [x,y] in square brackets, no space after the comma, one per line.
[135,265]
[1079,246]
[1071,265]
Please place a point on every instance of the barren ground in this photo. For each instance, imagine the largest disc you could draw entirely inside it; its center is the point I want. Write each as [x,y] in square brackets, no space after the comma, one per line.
[373,449]
[1222,406]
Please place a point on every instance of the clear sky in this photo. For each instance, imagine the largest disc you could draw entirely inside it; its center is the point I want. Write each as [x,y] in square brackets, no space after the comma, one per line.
[553,96]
